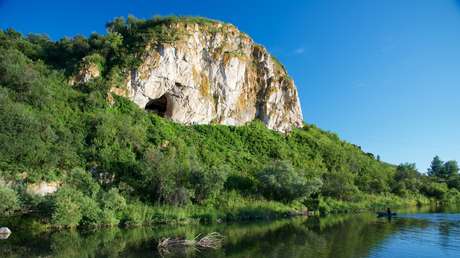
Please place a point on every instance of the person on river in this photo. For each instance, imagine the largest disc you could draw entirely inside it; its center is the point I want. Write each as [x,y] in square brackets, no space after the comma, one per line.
[388,212]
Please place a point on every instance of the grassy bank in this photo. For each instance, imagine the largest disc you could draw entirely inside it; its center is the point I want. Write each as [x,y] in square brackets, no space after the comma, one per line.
[371,203]
[231,208]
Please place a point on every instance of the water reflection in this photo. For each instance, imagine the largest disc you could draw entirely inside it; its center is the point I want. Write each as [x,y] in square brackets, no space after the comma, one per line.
[415,235]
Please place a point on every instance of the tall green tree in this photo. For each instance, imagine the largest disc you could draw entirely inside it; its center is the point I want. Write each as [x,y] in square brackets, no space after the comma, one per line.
[450,168]
[436,167]
[406,180]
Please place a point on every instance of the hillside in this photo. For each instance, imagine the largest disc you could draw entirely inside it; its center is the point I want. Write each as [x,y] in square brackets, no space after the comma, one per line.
[114,162]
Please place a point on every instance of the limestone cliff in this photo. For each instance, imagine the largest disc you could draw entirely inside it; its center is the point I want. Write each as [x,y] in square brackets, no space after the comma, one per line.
[213,74]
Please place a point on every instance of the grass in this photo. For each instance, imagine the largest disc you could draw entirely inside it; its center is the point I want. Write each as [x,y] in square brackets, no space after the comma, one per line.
[367,202]
[236,208]
[140,214]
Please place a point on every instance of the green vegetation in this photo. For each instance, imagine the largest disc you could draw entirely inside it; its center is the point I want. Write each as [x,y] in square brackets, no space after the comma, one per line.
[117,164]
[9,201]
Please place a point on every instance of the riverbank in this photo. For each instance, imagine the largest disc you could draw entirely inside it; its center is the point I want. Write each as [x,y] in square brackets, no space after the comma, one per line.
[233,209]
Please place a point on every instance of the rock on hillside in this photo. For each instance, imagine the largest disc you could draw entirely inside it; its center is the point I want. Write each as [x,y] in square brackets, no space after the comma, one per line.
[213,74]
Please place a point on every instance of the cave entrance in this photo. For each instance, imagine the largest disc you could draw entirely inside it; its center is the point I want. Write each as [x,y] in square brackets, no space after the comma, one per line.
[158,105]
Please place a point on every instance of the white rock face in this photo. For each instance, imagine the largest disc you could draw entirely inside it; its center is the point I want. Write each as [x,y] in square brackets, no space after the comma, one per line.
[42,188]
[214,74]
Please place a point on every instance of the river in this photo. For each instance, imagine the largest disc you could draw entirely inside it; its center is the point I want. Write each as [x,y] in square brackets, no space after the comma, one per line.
[411,234]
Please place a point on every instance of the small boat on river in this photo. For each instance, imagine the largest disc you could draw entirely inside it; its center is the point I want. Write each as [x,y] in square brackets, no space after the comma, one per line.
[384,214]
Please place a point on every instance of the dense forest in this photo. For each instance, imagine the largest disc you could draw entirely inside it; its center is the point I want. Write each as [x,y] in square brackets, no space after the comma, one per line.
[118,164]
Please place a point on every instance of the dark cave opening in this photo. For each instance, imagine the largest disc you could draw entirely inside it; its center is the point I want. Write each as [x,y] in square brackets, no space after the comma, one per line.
[158,105]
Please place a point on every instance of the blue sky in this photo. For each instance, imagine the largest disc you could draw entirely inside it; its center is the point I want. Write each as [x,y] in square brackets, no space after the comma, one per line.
[382,74]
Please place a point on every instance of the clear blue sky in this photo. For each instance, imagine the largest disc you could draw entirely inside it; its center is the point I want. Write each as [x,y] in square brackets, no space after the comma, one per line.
[382,74]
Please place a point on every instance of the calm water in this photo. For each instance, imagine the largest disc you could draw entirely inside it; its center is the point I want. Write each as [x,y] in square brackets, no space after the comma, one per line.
[410,235]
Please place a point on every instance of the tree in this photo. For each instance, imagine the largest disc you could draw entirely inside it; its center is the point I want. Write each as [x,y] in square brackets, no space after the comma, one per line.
[339,184]
[436,167]
[406,171]
[282,182]
[435,190]
[406,179]
[207,183]
[454,182]
[450,169]
[166,173]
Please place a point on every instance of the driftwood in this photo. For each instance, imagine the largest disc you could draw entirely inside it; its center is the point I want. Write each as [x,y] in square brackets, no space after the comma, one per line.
[210,241]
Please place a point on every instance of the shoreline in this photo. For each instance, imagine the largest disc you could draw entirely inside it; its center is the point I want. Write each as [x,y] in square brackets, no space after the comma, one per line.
[171,216]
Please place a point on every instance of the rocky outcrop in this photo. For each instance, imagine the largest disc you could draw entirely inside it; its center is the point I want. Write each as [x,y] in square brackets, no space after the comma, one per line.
[210,74]
[89,69]
[42,188]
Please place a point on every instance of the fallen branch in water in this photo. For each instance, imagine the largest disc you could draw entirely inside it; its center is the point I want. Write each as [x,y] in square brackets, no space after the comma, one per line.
[210,241]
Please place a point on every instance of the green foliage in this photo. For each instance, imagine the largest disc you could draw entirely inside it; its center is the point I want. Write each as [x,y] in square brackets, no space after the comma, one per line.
[407,180]
[83,182]
[443,170]
[91,213]
[435,168]
[339,185]
[282,182]
[113,200]
[94,59]
[363,202]
[208,183]
[434,189]
[9,201]
[136,214]
[450,168]
[166,174]
[454,182]
[66,210]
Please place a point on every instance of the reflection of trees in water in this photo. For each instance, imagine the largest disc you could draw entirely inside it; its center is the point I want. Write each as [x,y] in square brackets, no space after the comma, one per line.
[446,230]
[333,236]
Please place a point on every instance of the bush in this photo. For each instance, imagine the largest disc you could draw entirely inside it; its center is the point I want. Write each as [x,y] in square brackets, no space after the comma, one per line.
[90,212]
[207,183]
[108,218]
[66,208]
[9,201]
[113,200]
[137,214]
[84,182]
[339,184]
[282,182]
[435,190]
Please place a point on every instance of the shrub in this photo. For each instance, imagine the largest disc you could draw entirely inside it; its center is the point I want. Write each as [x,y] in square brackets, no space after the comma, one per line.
[435,190]
[339,184]
[9,201]
[66,208]
[113,200]
[137,214]
[84,182]
[282,182]
[108,218]
[90,211]
[95,59]
[207,183]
